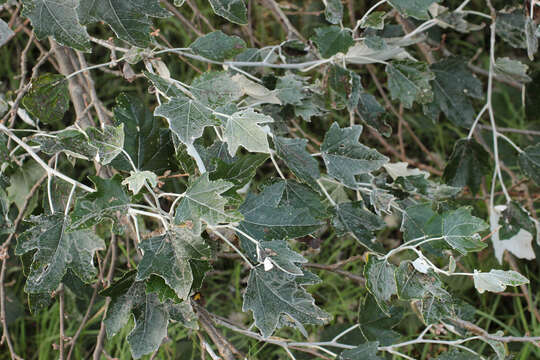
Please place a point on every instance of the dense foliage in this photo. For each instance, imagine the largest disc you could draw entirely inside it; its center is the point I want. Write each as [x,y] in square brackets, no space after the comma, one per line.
[266,179]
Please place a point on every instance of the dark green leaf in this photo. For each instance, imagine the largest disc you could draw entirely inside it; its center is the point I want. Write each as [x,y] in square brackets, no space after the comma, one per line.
[48,99]
[351,217]
[380,280]
[374,20]
[218,46]
[452,85]
[513,219]
[418,9]
[168,256]
[130,20]
[436,309]
[73,142]
[239,172]
[57,18]
[147,144]
[409,81]
[454,354]
[529,162]
[109,199]
[290,89]
[332,39]
[346,84]
[376,325]
[282,256]
[333,12]
[57,250]
[293,152]
[467,165]
[272,293]
[167,87]
[233,10]
[345,157]
[370,112]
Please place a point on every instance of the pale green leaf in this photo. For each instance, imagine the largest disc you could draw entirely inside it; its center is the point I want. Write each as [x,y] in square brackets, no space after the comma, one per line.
[511,69]
[138,179]
[376,325]
[5,33]
[202,202]
[374,20]
[187,118]
[497,280]
[243,129]
[215,88]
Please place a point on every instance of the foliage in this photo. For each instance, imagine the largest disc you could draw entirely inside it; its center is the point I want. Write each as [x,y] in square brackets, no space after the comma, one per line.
[358,135]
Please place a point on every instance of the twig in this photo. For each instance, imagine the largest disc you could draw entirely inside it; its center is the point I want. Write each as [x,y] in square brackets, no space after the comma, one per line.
[61,314]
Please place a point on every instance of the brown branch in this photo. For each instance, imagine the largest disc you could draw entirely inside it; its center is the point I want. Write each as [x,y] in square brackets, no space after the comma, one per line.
[530,303]
[181,17]
[61,313]
[283,19]
[505,339]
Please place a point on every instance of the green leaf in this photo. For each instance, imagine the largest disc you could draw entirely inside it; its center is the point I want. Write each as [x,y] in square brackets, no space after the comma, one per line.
[417,9]
[345,157]
[57,249]
[148,145]
[5,33]
[512,70]
[293,152]
[452,85]
[151,319]
[138,179]
[511,27]
[218,46]
[233,10]
[109,199]
[109,142]
[272,293]
[436,309]
[497,280]
[280,255]
[333,12]
[169,255]
[290,89]
[351,217]
[48,99]
[370,112]
[22,180]
[454,354]
[57,18]
[346,84]
[457,227]
[187,118]
[380,280]
[367,350]
[414,285]
[467,165]
[409,81]
[202,202]
[130,20]
[284,210]
[72,142]
[239,172]
[529,162]
[375,20]
[242,129]
[376,325]
[215,89]
[166,86]
[332,39]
